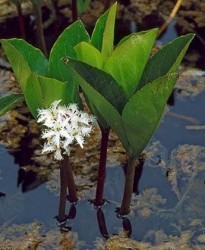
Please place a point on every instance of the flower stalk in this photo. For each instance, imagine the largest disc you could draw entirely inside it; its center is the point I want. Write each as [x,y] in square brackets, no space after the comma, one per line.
[72,191]
[102,167]
[67,187]
[128,189]
[64,125]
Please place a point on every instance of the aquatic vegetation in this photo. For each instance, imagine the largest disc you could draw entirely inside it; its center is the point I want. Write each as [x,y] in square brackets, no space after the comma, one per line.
[124,78]
[126,87]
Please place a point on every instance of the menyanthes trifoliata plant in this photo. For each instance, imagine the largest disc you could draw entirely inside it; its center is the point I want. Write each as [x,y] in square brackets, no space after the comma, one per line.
[63,126]
[125,85]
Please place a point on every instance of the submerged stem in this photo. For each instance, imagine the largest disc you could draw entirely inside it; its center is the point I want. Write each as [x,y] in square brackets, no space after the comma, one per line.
[128,189]
[102,167]
[70,179]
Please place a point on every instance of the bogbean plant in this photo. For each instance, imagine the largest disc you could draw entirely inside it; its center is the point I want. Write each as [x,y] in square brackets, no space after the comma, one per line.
[126,87]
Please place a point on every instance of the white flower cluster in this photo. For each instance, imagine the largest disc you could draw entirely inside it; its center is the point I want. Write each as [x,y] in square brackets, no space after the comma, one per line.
[64,125]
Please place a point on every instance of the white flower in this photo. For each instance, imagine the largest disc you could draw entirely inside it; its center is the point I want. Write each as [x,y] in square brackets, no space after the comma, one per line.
[64,125]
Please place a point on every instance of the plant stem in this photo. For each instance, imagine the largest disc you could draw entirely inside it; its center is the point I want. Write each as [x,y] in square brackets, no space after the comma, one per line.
[74,10]
[39,26]
[70,179]
[129,181]
[102,167]
[63,193]
[21,20]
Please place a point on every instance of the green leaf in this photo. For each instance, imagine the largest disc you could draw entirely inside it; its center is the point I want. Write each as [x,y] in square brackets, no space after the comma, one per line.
[9,102]
[128,60]
[97,35]
[110,114]
[143,112]
[166,60]
[64,46]
[128,36]
[87,53]
[41,91]
[108,35]
[101,82]
[103,34]
[24,58]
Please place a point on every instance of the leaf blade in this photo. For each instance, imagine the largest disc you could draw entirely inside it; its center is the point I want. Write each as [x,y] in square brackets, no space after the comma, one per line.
[97,36]
[127,62]
[64,46]
[41,91]
[9,102]
[109,113]
[140,117]
[24,58]
[166,60]
[101,82]
[87,53]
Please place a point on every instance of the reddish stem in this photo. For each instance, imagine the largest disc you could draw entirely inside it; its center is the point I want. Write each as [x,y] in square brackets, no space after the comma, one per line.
[102,167]
[70,180]
[128,189]
[21,21]
[74,10]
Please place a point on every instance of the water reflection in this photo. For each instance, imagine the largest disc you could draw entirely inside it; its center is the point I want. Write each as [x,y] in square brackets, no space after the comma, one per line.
[64,224]
[102,223]
[28,177]
[2,194]
[28,180]
[126,224]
